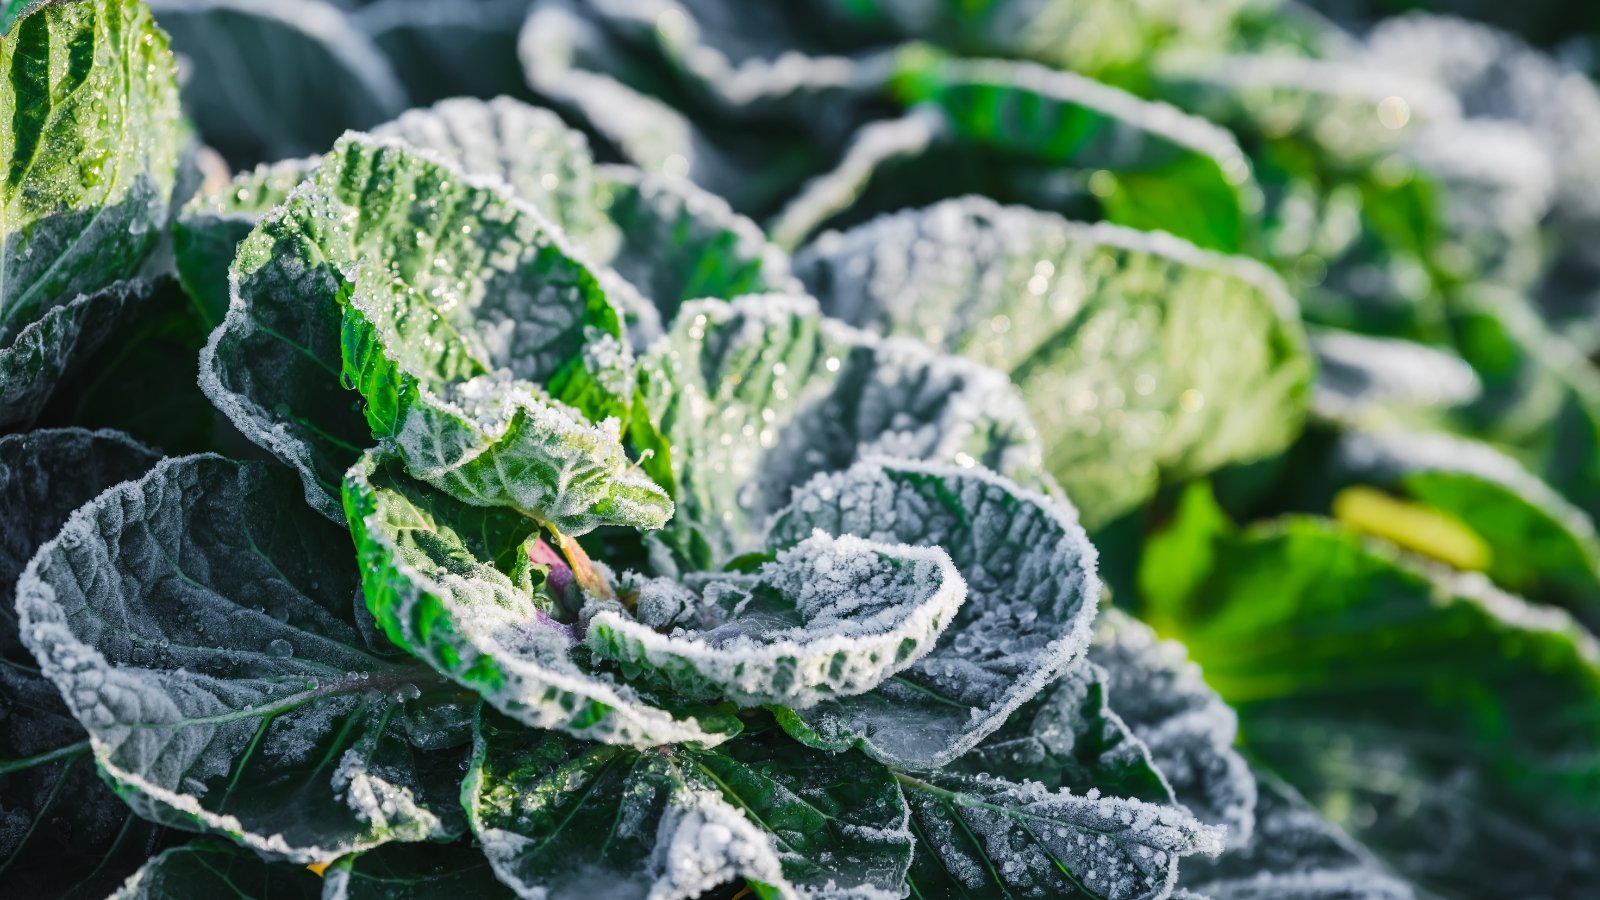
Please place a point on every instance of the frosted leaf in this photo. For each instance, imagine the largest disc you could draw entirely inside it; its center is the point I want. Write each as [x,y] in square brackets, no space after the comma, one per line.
[1538,543]
[440,50]
[1295,854]
[1070,737]
[742,402]
[1541,397]
[1495,75]
[1089,36]
[52,346]
[557,818]
[665,239]
[1501,80]
[413,872]
[210,226]
[494,443]
[1361,378]
[1032,592]
[432,574]
[989,837]
[680,243]
[207,868]
[395,274]
[739,59]
[1188,729]
[1332,104]
[1142,358]
[874,148]
[157,612]
[829,617]
[277,80]
[540,159]
[565,52]
[1382,707]
[62,830]
[93,153]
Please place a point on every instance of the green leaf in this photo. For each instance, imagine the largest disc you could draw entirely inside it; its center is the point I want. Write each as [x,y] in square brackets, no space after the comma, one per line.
[278,80]
[1109,40]
[563,816]
[211,225]
[1142,358]
[631,84]
[1445,722]
[1031,598]
[199,624]
[1189,730]
[439,50]
[984,837]
[1369,381]
[1163,169]
[56,344]
[1539,545]
[63,833]
[433,574]
[398,275]
[1295,854]
[90,149]
[829,617]
[1541,397]
[742,402]
[668,240]
[1070,737]
[493,443]
[206,868]
[143,381]
[414,872]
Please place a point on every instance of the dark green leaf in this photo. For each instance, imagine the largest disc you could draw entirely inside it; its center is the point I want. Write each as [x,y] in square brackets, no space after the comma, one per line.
[199,622]
[63,833]
[1031,598]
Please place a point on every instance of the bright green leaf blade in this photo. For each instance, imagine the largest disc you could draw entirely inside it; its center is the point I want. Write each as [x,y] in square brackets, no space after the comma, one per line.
[208,868]
[742,402]
[1295,854]
[1395,694]
[1032,592]
[63,832]
[980,836]
[277,80]
[558,815]
[199,622]
[432,574]
[668,240]
[422,277]
[90,151]
[1539,545]
[1141,357]
[1190,731]
[827,618]
[493,443]
[414,872]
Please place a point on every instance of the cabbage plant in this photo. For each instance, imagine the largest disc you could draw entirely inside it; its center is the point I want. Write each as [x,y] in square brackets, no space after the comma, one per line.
[672,449]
